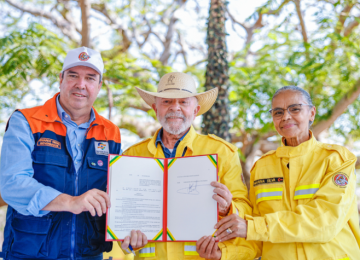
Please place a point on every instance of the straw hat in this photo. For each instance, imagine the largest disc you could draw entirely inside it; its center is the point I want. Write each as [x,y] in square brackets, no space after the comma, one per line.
[180,85]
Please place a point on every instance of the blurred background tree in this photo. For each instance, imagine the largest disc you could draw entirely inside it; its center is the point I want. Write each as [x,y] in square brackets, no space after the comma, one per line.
[217,119]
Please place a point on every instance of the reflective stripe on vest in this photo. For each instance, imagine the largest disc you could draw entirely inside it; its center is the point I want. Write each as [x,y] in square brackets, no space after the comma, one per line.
[190,248]
[269,194]
[148,250]
[306,191]
[346,258]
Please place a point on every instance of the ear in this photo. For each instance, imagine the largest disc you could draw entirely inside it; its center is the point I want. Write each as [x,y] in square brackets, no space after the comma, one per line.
[196,110]
[154,107]
[60,78]
[312,113]
[100,85]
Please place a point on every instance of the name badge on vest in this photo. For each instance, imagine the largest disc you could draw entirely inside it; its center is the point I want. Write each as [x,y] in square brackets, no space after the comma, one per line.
[102,148]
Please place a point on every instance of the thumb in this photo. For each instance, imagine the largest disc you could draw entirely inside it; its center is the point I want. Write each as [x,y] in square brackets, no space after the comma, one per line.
[125,243]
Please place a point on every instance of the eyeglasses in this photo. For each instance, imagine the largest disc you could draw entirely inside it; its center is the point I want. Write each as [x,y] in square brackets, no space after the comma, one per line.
[293,110]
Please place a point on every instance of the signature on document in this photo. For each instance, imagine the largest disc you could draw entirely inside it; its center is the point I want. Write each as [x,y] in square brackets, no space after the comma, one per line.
[191,188]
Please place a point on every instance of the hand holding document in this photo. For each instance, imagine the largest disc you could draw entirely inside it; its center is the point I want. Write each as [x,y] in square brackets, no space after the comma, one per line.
[156,195]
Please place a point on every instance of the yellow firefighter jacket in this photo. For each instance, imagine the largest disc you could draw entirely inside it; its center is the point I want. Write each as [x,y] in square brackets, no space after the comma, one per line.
[304,203]
[229,174]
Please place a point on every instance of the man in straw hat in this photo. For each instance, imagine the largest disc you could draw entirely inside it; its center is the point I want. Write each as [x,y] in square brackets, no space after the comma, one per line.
[176,104]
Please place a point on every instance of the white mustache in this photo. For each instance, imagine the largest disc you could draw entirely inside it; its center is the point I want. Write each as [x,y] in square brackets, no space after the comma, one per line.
[174,114]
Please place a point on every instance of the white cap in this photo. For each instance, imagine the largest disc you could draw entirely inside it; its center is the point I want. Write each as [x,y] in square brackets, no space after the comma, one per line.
[84,56]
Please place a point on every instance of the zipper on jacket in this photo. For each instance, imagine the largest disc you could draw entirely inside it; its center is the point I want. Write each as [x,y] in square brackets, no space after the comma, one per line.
[73,219]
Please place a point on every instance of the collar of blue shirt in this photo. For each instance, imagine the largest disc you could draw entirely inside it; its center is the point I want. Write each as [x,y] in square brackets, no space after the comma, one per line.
[167,152]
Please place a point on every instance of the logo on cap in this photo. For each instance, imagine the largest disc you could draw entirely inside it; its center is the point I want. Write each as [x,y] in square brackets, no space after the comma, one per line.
[170,80]
[84,56]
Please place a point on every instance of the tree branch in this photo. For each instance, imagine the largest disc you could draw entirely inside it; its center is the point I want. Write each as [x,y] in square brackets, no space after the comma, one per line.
[115,24]
[338,109]
[182,51]
[348,29]
[259,22]
[277,10]
[302,23]
[85,30]
[164,57]
[67,29]
[133,124]
[66,13]
[167,43]
[342,18]
[110,99]
[142,106]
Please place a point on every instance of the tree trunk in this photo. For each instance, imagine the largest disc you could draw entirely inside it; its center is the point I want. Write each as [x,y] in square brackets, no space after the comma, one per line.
[110,99]
[216,120]
[85,15]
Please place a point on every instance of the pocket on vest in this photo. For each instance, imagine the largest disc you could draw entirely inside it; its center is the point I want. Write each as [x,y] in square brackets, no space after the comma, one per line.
[93,237]
[30,237]
[50,168]
[97,172]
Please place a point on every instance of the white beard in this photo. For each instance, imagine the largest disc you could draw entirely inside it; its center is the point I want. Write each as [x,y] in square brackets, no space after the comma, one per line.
[172,128]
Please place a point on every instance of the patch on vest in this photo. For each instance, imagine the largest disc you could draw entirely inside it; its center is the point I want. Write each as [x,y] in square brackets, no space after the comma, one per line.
[340,179]
[102,148]
[48,142]
[269,181]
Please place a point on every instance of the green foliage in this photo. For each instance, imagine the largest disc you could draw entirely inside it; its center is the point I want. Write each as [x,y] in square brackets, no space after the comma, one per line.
[35,53]
[122,74]
[327,67]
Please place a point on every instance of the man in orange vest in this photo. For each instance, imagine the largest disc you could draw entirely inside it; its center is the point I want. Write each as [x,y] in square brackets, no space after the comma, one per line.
[53,170]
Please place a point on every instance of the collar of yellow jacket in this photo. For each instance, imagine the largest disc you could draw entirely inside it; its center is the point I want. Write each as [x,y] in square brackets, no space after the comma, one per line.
[301,149]
[186,142]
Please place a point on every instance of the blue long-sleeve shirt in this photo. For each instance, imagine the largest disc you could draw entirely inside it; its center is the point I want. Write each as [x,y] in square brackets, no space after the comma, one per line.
[25,194]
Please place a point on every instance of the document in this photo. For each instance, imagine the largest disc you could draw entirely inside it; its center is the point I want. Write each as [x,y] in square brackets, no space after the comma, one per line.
[153,195]
[135,187]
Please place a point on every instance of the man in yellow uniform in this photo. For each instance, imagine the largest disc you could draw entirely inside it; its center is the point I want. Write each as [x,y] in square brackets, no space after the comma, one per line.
[176,104]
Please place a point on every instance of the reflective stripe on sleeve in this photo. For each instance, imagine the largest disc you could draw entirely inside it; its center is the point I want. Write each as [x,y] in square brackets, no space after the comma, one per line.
[148,250]
[306,191]
[268,194]
[190,248]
